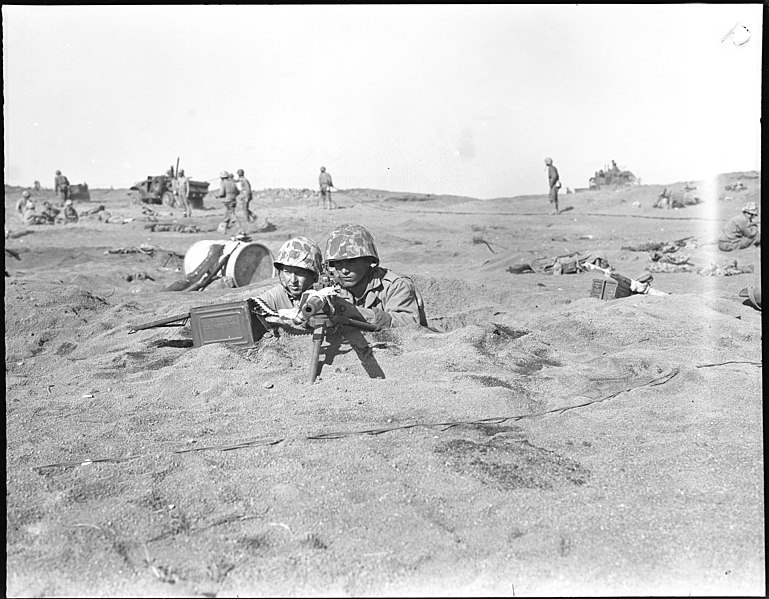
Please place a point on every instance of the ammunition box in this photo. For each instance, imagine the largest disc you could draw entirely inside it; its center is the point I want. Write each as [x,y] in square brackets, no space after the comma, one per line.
[231,323]
[611,289]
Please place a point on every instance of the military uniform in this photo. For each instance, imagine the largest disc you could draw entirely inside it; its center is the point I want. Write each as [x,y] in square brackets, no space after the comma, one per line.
[229,192]
[553,180]
[61,187]
[739,233]
[299,252]
[69,215]
[22,204]
[325,187]
[381,297]
[386,300]
[244,197]
[182,191]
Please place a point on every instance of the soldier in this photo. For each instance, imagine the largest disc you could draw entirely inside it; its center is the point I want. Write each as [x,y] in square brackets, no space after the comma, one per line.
[554,181]
[31,217]
[61,187]
[325,188]
[22,203]
[50,213]
[245,196]
[740,232]
[369,292]
[228,191]
[299,264]
[182,191]
[69,215]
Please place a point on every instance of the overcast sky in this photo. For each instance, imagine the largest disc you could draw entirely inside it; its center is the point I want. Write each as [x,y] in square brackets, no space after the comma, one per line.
[454,99]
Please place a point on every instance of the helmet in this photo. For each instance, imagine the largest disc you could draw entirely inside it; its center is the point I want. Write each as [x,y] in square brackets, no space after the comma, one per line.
[548,161]
[58,172]
[241,172]
[350,241]
[300,252]
[26,194]
[181,171]
[224,174]
[68,203]
[750,208]
[322,169]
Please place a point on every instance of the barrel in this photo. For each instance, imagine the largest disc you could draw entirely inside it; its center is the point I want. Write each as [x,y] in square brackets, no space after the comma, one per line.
[249,261]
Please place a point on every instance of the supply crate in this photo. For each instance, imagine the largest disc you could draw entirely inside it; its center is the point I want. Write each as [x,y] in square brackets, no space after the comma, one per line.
[232,323]
[610,289]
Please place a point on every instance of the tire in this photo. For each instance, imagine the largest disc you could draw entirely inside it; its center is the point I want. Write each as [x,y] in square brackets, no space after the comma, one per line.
[136,197]
[169,199]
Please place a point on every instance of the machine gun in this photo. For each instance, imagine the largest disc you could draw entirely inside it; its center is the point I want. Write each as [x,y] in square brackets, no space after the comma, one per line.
[245,322]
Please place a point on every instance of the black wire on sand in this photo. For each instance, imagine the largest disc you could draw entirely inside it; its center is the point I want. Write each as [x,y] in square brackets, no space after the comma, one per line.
[266,441]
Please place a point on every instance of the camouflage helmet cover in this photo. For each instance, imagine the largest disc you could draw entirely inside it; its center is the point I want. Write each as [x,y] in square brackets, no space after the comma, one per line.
[347,242]
[302,253]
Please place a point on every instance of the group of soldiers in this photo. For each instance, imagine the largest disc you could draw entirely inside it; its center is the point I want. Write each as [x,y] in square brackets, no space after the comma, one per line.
[361,289]
[49,215]
[236,195]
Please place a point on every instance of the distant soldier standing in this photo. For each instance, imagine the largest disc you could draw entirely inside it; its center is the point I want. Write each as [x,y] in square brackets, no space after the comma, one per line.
[61,187]
[245,196]
[325,188]
[554,182]
[228,191]
[182,191]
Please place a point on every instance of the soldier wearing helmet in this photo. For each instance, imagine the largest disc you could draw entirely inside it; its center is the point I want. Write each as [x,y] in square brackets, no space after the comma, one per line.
[324,179]
[69,214]
[181,189]
[554,183]
[741,231]
[22,203]
[245,196]
[299,264]
[61,187]
[368,291]
[228,192]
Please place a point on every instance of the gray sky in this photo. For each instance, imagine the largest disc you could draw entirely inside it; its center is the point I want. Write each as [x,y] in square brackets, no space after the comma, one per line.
[455,99]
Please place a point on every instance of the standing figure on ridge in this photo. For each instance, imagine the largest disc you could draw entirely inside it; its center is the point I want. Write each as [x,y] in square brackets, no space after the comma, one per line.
[61,187]
[554,182]
[325,188]
[245,196]
[182,191]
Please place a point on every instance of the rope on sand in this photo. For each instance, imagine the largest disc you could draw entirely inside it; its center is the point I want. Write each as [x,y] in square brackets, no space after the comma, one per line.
[264,441]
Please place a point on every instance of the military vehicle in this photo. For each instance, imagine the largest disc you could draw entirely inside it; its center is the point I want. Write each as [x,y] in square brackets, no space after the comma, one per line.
[158,189]
[612,177]
[79,192]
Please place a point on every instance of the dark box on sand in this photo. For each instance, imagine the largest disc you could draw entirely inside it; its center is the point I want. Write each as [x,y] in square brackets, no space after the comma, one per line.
[232,323]
[609,289]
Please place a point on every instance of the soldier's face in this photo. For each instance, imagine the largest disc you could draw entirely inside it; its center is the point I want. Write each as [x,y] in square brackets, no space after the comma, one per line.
[349,273]
[296,280]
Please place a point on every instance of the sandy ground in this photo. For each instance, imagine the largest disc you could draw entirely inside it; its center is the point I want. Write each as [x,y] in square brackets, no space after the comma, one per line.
[212,485]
